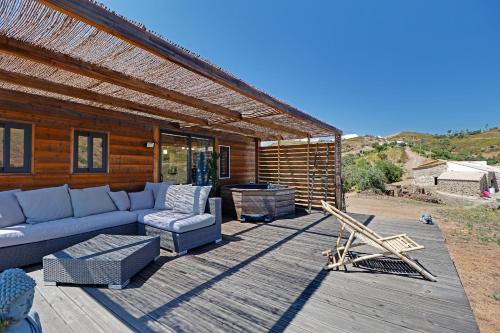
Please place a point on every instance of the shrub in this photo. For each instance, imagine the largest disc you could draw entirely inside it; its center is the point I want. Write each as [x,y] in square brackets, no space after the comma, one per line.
[382,156]
[380,147]
[391,171]
[371,178]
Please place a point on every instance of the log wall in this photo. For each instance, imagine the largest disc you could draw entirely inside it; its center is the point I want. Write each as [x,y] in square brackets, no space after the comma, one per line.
[130,163]
[292,167]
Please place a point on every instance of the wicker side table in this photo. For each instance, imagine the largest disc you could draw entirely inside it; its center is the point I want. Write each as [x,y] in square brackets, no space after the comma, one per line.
[103,260]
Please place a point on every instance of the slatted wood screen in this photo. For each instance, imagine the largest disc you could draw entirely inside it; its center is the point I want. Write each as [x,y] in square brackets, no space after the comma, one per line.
[290,167]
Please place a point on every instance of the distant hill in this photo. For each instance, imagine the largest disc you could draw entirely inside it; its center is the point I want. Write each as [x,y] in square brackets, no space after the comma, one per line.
[460,145]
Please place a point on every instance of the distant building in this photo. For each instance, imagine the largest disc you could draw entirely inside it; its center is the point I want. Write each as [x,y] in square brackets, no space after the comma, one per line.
[470,183]
[429,174]
[493,172]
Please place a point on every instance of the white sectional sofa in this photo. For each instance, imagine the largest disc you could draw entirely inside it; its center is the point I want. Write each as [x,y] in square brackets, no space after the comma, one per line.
[36,223]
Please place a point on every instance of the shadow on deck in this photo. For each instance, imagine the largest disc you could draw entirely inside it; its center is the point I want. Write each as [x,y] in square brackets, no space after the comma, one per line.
[269,277]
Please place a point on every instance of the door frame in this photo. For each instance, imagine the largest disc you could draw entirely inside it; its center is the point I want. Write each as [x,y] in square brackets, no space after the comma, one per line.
[189,136]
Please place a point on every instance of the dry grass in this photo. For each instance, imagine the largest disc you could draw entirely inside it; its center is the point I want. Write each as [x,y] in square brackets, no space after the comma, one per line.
[481,224]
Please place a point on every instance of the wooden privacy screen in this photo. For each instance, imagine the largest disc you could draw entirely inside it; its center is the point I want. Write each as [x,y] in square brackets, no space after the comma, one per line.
[294,166]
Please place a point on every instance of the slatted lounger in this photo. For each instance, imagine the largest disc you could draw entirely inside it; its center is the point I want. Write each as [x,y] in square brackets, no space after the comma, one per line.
[398,245]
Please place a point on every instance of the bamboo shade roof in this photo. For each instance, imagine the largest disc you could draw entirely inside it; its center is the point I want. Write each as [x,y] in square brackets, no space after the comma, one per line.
[78,51]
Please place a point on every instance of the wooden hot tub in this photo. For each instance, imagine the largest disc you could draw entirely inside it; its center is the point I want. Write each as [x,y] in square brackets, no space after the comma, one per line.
[259,199]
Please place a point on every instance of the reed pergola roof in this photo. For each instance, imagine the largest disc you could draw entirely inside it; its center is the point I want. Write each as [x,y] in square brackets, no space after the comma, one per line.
[78,51]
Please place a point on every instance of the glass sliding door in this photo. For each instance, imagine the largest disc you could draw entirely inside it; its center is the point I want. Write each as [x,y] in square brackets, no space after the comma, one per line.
[201,150]
[180,156]
[174,154]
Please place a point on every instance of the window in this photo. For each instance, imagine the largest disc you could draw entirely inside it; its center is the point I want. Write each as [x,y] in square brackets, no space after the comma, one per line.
[224,162]
[15,148]
[90,152]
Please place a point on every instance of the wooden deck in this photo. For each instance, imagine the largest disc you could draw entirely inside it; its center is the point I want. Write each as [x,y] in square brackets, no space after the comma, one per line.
[270,278]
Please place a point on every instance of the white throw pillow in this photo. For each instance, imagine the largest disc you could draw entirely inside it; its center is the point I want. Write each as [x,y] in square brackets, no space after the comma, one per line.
[189,199]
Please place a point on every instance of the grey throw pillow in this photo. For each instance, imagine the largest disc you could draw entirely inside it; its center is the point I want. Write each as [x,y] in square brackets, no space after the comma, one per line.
[141,200]
[120,199]
[10,211]
[155,187]
[45,204]
[91,201]
[161,197]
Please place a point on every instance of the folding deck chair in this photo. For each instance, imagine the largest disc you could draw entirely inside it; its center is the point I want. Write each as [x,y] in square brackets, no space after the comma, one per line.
[397,245]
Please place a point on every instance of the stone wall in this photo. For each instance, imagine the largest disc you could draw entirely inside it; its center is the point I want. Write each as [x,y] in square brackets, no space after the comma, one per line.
[462,187]
[493,179]
[425,177]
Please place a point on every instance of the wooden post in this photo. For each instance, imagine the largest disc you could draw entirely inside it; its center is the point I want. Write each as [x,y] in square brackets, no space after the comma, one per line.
[156,154]
[309,203]
[338,176]
[279,162]
[257,159]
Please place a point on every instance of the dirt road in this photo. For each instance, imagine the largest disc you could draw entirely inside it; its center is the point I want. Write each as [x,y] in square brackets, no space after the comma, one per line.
[413,160]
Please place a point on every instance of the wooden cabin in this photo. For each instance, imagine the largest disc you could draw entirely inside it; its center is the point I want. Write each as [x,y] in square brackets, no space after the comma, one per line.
[88,97]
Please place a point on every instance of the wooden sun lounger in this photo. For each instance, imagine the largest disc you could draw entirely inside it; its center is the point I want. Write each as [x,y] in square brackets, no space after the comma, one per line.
[397,245]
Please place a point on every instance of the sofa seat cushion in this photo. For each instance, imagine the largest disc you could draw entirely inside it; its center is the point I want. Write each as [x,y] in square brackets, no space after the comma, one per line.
[159,215]
[174,221]
[30,233]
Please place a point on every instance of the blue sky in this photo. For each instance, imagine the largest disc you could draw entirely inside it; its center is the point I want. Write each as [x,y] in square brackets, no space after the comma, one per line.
[374,67]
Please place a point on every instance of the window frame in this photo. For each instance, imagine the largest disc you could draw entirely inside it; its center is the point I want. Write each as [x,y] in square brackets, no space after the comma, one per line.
[90,151]
[27,147]
[228,162]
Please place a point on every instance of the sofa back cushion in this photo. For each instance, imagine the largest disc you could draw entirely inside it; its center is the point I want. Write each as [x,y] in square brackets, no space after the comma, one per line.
[156,187]
[45,204]
[161,197]
[188,199]
[141,200]
[10,211]
[120,199]
[91,201]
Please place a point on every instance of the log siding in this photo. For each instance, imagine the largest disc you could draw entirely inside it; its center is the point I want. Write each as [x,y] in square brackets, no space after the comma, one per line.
[130,163]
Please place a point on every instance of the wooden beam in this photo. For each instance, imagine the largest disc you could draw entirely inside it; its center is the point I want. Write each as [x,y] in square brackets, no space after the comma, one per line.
[20,101]
[70,64]
[45,85]
[111,23]
[277,127]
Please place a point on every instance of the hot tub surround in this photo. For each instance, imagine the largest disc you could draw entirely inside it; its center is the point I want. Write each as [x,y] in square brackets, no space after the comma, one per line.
[266,199]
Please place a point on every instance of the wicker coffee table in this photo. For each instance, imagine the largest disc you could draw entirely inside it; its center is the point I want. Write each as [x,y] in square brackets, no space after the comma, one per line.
[105,259]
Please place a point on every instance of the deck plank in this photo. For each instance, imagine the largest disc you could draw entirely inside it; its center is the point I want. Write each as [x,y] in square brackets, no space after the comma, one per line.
[269,277]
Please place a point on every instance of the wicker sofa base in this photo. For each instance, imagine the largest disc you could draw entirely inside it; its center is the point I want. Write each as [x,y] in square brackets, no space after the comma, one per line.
[32,253]
[181,243]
